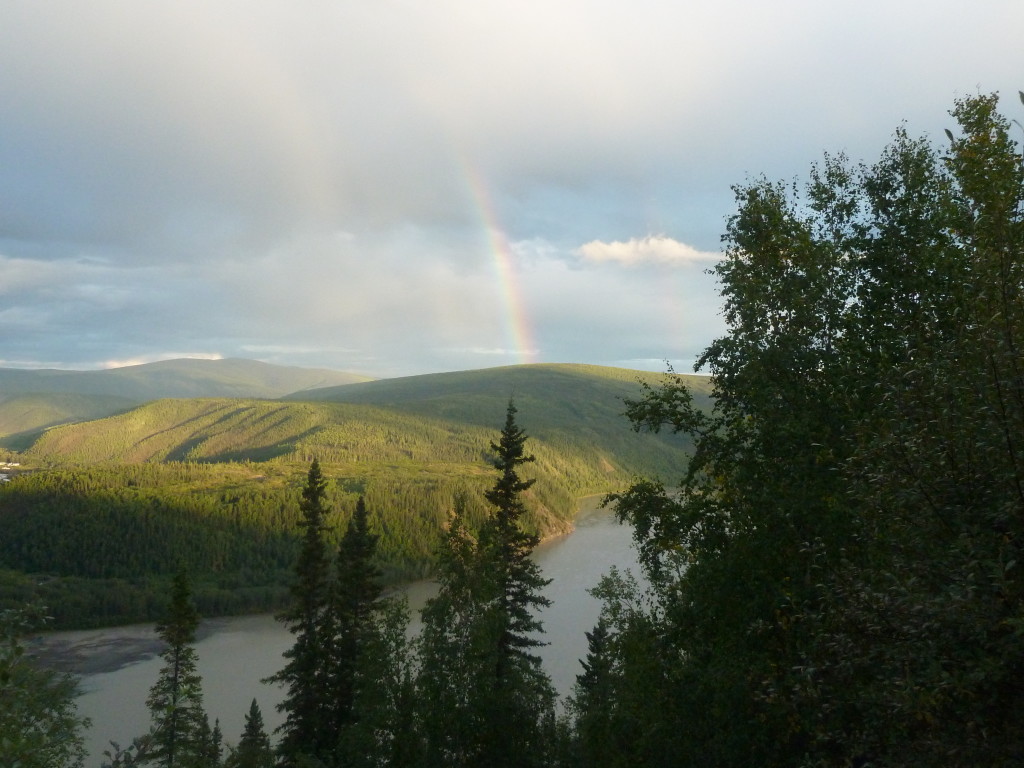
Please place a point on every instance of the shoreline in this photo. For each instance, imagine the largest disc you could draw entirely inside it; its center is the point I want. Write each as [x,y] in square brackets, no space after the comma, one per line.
[82,652]
[102,650]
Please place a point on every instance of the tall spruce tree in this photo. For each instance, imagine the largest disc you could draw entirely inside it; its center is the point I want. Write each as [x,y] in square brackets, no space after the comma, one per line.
[479,633]
[177,738]
[519,695]
[356,589]
[307,701]
[253,750]
[209,746]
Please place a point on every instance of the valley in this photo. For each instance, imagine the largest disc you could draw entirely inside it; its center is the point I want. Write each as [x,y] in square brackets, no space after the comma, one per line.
[108,507]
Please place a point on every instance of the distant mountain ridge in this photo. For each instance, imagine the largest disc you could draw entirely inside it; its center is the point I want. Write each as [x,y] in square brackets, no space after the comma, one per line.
[574,411]
[31,400]
[561,403]
[184,377]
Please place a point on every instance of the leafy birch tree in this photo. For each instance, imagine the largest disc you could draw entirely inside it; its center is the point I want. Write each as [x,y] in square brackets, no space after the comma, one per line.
[837,582]
[39,726]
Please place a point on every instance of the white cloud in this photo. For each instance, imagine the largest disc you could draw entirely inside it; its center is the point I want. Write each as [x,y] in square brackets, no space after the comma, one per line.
[657,249]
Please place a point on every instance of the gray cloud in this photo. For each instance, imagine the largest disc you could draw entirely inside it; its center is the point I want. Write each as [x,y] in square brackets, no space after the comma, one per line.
[319,183]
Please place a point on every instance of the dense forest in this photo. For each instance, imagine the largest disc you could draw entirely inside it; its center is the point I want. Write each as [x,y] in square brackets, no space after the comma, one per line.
[833,577]
[111,507]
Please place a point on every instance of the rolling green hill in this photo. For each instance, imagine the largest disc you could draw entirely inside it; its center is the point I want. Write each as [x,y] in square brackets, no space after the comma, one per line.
[577,408]
[115,502]
[31,400]
[571,410]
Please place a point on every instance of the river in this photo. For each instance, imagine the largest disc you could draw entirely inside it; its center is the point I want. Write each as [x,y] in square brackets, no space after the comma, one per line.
[119,665]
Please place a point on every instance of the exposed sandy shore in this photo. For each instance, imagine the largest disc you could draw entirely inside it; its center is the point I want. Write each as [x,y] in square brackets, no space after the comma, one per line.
[92,651]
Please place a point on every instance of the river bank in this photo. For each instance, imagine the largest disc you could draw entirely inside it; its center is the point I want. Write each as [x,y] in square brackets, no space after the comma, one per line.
[117,666]
[107,649]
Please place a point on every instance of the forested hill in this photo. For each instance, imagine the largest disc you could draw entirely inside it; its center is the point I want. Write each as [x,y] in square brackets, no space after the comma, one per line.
[31,400]
[576,410]
[575,407]
[114,503]
[549,395]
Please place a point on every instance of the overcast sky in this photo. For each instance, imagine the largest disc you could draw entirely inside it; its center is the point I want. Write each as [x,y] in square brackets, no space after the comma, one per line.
[395,187]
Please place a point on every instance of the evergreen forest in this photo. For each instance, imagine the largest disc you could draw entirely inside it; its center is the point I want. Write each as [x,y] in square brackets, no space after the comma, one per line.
[833,570]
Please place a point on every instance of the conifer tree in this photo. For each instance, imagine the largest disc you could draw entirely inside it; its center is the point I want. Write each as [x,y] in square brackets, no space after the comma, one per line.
[307,699]
[518,695]
[479,633]
[176,699]
[355,591]
[516,579]
[368,668]
[253,749]
[594,696]
[210,746]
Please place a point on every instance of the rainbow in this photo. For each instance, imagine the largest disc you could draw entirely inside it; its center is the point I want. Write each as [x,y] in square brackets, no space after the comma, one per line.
[518,332]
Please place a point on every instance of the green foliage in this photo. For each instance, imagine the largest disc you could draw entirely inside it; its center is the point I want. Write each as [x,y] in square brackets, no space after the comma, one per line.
[515,579]
[348,674]
[618,705]
[39,727]
[96,524]
[837,580]
[180,735]
[102,541]
[484,698]
[449,654]
[380,731]
[253,750]
[308,697]
[350,616]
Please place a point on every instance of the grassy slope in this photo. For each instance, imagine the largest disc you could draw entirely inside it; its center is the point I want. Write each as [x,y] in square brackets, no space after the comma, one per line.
[226,430]
[575,408]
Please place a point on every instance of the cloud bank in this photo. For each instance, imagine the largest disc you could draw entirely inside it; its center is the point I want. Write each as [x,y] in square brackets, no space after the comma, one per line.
[327,183]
